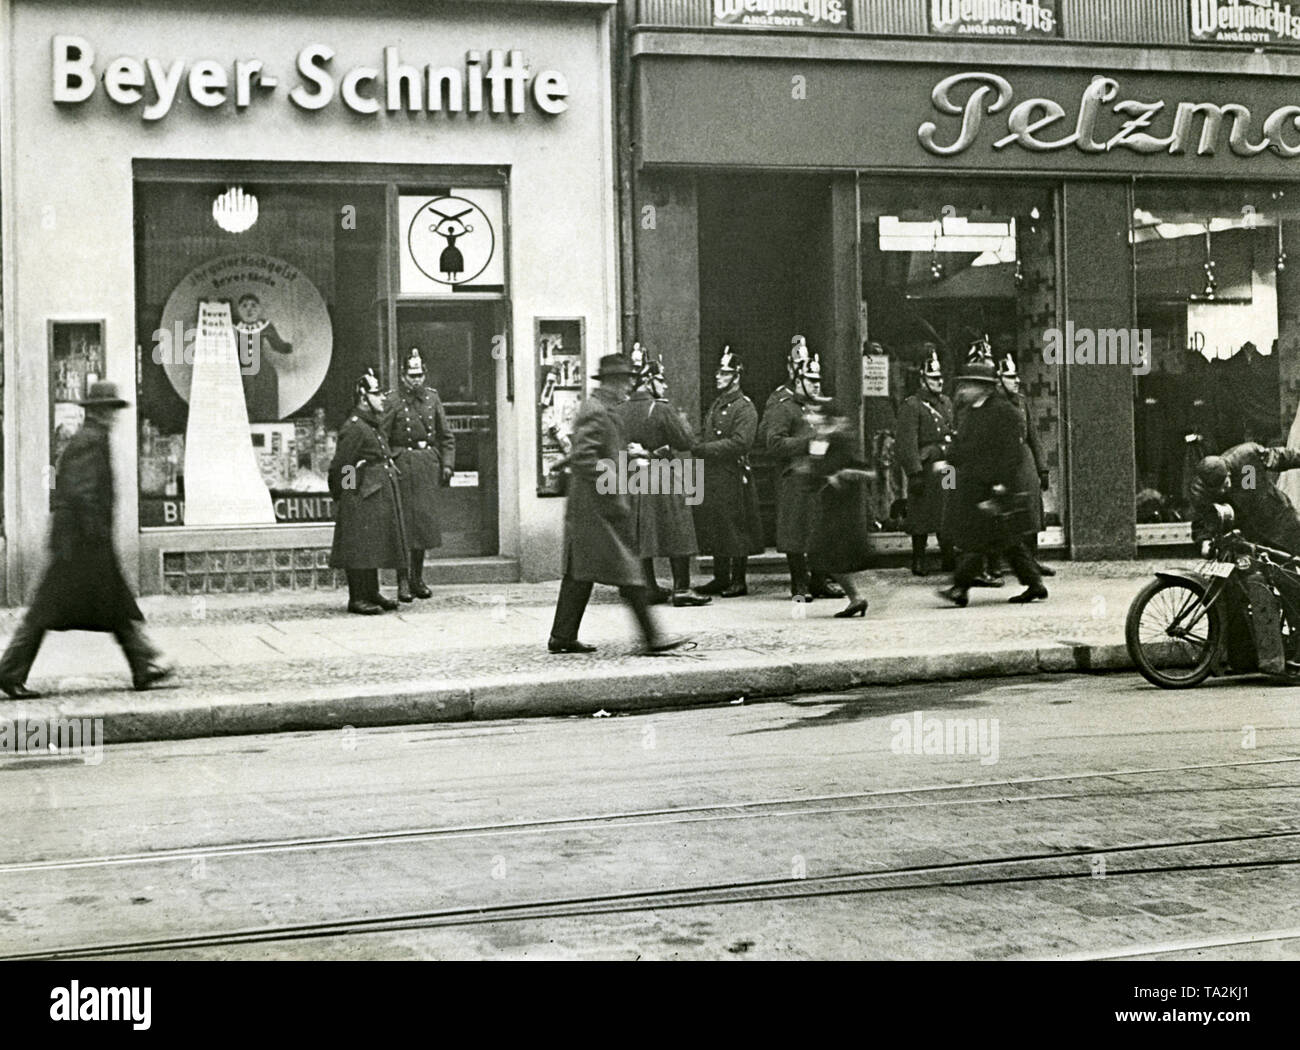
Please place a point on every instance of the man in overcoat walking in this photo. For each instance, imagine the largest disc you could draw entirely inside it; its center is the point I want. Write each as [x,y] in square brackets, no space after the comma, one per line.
[924,431]
[661,520]
[784,433]
[987,456]
[424,450]
[83,588]
[598,519]
[368,533]
[727,522]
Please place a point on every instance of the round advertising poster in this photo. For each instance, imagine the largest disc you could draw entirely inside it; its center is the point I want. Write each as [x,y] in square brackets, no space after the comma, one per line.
[451,240]
[279,323]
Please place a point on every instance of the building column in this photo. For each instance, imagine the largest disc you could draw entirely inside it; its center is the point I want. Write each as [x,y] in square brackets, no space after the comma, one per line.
[1097,399]
[845,287]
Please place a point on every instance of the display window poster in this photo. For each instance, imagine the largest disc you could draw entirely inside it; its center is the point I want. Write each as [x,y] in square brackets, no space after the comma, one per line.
[452,242]
[1004,19]
[1260,22]
[832,15]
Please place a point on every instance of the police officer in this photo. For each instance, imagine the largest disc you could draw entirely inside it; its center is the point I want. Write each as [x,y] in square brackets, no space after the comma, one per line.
[727,522]
[424,449]
[987,456]
[784,434]
[924,431]
[661,521]
[368,533]
[1033,465]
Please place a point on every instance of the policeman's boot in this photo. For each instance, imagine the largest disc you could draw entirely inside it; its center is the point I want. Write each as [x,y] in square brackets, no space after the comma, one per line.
[358,594]
[654,594]
[404,587]
[1043,570]
[376,596]
[800,583]
[682,593]
[918,554]
[721,576]
[736,588]
[418,587]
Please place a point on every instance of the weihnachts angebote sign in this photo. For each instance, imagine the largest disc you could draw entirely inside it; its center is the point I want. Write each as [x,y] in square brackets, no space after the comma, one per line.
[834,15]
[1261,22]
[1035,19]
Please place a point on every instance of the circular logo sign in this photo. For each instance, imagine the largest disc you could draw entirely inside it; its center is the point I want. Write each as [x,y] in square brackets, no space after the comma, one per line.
[279,322]
[451,240]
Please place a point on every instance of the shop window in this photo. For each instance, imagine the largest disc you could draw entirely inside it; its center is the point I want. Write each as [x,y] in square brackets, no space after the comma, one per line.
[944,264]
[1217,303]
[287,280]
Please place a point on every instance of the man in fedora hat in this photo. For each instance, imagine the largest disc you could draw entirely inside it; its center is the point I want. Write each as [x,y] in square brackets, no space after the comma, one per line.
[598,544]
[83,588]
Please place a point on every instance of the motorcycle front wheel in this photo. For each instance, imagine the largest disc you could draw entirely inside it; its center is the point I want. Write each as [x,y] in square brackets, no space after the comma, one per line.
[1172,635]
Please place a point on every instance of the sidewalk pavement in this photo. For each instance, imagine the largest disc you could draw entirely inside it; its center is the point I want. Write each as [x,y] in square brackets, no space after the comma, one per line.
[298,661]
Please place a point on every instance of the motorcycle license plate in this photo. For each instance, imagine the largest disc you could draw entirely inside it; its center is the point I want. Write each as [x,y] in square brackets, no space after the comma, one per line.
[1216,568]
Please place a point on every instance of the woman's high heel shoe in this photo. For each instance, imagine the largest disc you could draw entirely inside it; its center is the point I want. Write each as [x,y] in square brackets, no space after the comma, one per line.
[857,607]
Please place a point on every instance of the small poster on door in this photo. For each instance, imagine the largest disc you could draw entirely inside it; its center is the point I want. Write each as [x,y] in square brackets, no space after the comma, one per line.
[875,375]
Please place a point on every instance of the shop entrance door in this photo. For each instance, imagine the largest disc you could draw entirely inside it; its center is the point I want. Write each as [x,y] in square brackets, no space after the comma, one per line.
[456,341]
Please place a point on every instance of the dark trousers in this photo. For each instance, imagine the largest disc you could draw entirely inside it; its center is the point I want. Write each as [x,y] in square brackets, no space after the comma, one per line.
[572,603]
[17,661]
[970,564]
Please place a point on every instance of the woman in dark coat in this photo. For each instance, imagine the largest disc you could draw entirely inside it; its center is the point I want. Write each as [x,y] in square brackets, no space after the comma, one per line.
[368,533]
[83,588]
[662,526]
[840,543]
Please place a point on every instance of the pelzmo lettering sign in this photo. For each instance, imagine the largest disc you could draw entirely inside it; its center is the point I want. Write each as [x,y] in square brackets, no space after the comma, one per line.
[502,83]
[1104,122]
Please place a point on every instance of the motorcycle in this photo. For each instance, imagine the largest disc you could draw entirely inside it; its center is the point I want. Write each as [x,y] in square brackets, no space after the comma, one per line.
[1239,607]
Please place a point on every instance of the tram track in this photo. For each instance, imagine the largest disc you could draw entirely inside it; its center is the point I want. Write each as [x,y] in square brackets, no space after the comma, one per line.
[1276,849]
[666,816]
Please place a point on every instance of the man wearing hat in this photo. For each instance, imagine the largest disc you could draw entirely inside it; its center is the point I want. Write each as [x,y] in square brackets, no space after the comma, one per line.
[1243,477]
[924,431]
[987,456]
[661,521]
[368,533]
[726,521]
[784,433]
[83,588]
[424,449]
[1033,478]
[598,545]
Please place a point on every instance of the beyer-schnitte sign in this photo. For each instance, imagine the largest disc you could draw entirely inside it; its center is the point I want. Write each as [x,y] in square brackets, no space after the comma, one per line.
[1102,121]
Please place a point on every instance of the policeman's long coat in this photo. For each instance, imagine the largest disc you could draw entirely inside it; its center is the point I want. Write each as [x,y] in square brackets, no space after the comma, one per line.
[924,425]
[727,522]
[987,452]
[662,526]
[784,434]
[598,545]
[83,588]
[1031,462]
[368,531]
[423,445]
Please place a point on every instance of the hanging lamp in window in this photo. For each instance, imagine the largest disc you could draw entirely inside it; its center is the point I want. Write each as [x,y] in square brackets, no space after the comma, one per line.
[235,210]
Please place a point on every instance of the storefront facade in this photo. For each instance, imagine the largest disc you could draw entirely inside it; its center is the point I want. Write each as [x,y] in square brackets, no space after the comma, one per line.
[890,178]
[316,189]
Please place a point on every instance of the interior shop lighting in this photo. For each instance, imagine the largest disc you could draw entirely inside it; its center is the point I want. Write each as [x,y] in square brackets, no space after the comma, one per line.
[235,210]
[995,242]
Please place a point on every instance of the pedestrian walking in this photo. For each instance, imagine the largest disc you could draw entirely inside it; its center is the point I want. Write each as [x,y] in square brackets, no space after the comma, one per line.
[368,533]
[662,526]
[840,544]
[1033,464]
[598,543]
[727,523]
[83,588]
[987,515]
[924,432]
[784,433]
[424,450]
